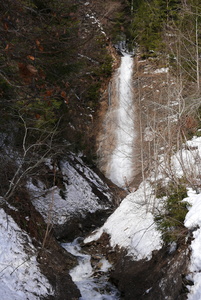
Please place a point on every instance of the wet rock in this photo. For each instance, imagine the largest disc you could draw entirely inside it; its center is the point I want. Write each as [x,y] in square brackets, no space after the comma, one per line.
[160,278]
[80,226]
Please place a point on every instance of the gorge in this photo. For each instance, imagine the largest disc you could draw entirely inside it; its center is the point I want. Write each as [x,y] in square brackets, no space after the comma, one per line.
[100,150]
[118,130]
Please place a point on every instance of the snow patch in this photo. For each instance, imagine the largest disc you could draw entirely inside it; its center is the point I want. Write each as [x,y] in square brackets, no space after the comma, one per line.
[20,276]
[76,198]
[161,70]
[132,227]
[95,21]
[193,221]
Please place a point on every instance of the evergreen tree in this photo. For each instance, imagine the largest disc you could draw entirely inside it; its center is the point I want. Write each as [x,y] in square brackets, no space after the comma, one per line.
[149,20]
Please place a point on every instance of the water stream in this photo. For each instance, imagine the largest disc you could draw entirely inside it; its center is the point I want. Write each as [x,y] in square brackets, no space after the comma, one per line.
[92,283]
[118,163]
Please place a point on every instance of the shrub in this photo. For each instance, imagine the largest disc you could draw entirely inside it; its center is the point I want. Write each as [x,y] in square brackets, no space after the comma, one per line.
[171,220]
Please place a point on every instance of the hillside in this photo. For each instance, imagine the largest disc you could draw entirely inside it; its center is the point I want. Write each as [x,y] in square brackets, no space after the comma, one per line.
[100,130]
[55,62]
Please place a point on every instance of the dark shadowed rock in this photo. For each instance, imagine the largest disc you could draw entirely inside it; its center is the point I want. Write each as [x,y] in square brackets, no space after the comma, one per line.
[162,277]
[80,200]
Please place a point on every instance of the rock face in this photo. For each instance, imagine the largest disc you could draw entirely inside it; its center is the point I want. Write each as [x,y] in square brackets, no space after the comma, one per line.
[55,266]
[54,262]
[77,203]
[163,277]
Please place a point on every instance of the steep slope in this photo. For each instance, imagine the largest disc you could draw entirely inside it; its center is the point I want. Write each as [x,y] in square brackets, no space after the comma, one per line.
[55,61]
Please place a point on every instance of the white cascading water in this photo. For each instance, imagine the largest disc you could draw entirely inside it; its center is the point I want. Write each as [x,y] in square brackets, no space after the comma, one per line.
[118,164]
[90,286]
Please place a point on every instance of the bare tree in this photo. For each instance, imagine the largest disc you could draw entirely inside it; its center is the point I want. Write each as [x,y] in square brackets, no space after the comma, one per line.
[36,145]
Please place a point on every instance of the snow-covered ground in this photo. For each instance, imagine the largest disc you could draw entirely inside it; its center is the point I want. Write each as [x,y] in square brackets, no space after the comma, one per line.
[20,276]
[132,224]
[185,162]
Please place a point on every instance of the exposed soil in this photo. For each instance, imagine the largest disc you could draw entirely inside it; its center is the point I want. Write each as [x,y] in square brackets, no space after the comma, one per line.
[151,114]
[164,275]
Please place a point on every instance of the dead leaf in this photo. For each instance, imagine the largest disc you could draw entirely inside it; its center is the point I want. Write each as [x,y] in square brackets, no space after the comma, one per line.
[37,116]
[7,47]
[37,42]
[49,92]
[63,94]
[32,69]
[66,100]
[5,26]
[30,57]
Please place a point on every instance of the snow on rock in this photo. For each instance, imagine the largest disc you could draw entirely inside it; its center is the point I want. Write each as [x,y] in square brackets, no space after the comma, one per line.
[132,227]
[193,221]
[185,162]
[188,160]
[193,217]
[161,70]
[95,21]
[78,196]
[105,265]
[20,277]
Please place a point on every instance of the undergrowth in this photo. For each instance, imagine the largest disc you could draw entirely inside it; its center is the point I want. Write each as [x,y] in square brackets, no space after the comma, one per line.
[170,221]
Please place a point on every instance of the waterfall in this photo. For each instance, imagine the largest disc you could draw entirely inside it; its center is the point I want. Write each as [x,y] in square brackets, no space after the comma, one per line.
[116,143]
